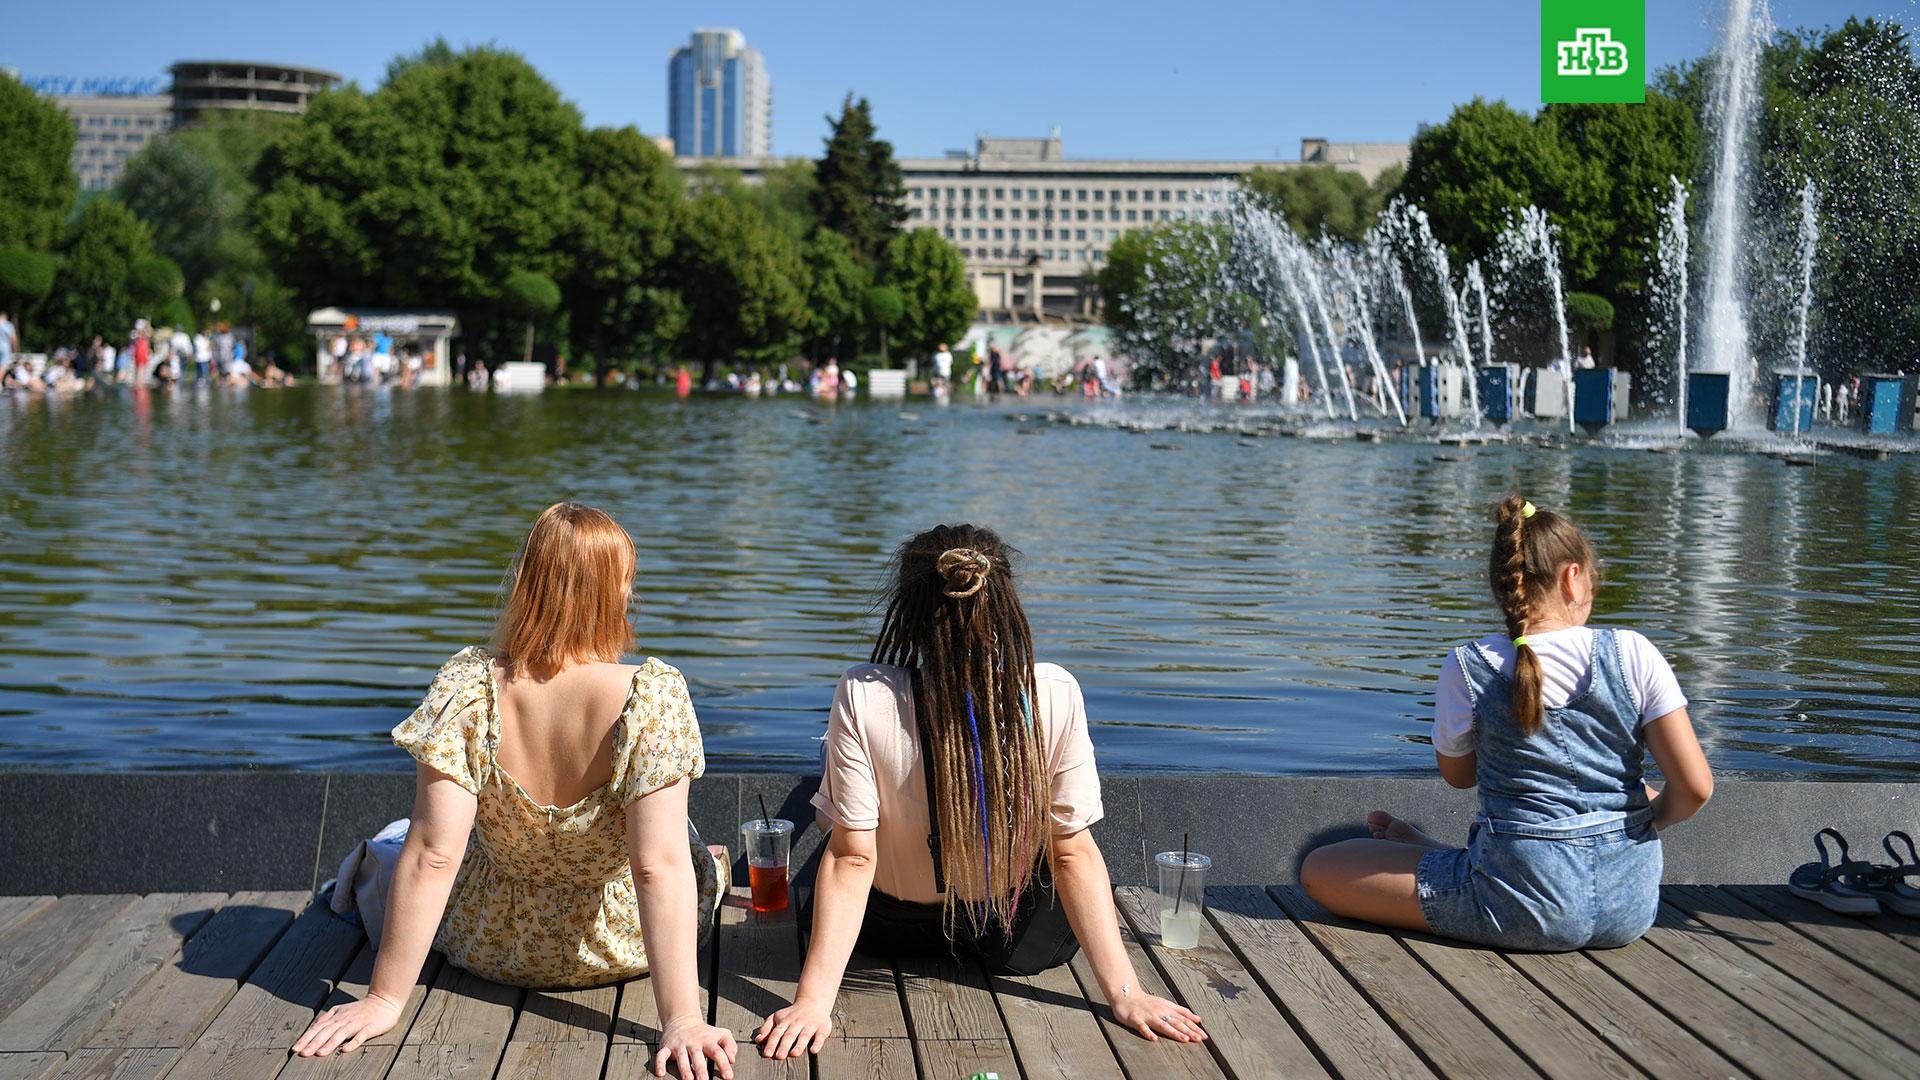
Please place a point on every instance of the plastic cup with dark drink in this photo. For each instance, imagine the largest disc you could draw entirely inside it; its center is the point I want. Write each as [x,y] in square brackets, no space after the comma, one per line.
[767,842]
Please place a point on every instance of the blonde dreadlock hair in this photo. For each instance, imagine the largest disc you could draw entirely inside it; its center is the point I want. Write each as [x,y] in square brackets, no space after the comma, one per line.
[953,614]
[1530,547]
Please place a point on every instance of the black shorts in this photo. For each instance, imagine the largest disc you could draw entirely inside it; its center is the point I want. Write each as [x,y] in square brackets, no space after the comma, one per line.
[901,929]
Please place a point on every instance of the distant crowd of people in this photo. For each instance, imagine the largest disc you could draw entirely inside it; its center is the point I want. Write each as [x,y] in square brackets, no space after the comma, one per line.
[148,356]
[372,359]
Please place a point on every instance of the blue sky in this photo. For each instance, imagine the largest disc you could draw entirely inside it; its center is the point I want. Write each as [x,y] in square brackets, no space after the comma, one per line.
[1226,79]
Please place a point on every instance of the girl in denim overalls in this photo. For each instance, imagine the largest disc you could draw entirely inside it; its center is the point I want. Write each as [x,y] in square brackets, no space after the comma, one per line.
[1551,721]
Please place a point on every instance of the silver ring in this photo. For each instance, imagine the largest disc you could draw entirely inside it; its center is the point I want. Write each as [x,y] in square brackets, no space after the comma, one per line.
[1166,1018]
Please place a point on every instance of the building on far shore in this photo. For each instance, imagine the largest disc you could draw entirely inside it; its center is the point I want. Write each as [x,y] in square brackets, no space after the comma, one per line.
[1034,225]
[201,86]
[719,101]
[113,118]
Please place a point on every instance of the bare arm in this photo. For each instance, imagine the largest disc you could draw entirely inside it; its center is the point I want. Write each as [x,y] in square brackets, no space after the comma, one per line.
[1081,882]
[1689,779]
[839,907]
[1460,772]
[423,878]
[663,881]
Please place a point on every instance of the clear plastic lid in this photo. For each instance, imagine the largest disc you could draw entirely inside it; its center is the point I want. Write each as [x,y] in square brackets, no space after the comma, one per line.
[766,825]
[1191,860]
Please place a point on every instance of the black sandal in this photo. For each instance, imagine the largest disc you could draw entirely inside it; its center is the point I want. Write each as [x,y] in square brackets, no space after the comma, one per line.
[1845,887]
[1891,884]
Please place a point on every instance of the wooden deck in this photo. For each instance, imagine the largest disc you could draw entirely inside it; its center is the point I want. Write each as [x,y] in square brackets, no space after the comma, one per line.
[1733,981]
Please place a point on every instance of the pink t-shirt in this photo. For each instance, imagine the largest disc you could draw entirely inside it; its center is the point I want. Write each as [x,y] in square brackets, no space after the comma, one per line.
[873,778]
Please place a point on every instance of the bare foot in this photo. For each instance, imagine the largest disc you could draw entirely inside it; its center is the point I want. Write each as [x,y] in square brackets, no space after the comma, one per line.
[1385,826]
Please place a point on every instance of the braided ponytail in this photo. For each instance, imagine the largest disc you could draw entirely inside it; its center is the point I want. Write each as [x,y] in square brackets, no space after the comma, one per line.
[1530,549]
[1507,570]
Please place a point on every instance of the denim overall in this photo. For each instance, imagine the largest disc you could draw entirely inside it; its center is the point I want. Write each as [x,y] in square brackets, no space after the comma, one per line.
[1563,854]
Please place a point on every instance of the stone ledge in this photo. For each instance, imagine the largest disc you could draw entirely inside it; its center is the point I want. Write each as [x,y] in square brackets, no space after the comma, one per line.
[169,832]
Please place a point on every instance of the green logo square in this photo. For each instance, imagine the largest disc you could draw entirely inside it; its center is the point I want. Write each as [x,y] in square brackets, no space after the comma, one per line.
[1593,50]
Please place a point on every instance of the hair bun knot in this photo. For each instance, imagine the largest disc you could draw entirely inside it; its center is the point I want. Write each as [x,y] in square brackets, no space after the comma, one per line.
[965,571]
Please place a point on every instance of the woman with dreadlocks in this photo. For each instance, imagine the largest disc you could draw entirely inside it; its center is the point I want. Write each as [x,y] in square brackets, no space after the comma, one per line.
[1552,722]
[958,787]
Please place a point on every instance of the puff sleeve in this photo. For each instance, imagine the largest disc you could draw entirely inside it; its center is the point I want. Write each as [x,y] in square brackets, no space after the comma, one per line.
[448,732]
[662,735]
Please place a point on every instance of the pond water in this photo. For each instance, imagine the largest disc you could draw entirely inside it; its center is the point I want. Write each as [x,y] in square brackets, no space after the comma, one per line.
[229,579]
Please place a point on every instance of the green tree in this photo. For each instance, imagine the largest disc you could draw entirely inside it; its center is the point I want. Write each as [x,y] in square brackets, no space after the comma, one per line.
[1122,280]
[172,187]
[1472,173]
[1321,197]
[428,192]
[859,192]
[742,285]
[36,174]
[884,309]
[836,296]
[154,281]
[26,278]
[937,303]
[1166,295]
[530,296]
[436,51]
[620,298]
[92,292]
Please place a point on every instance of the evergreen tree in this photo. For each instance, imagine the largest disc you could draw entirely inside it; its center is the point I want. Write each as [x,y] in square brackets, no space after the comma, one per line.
[94,292]
[859,193]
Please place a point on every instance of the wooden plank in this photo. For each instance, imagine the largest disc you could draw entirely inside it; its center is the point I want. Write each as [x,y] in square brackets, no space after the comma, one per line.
[567,1060]
[634,1060]
[1709,1013]
[172,1007]
[758,972]
[376,1055]
[141,1063]
[566,1015]
[637,1017]
[1626,1020]
[461,1029]
[103,974]
[961,1058]
[1557,1043]
[1847,984]
[15,910]
[277,1003]
[1862,941]
[1244,1027]
[1434,1021]
[948,999]
[30,1065]
[1053,1029]
[868,1005]
[1353,1038]
[1142,1060]
[1845,1040]
[871,1059]
[34,951]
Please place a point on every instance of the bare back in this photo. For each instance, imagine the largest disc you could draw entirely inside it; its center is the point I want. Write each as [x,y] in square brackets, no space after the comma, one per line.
[556,736]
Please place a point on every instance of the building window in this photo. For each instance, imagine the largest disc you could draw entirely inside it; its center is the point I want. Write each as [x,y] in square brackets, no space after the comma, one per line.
[999,193]
[1166,196]
[1099,195]
[1133,215]
[1083,194]
[1032,214]
[951,195]
[1047,254]
[1099,215]
[1183,194]
[966,234]
[1100,234]
[1032,194]
[999,213]
[1033,234]
[913,193]
[1082,215]
[999,234]
[1133,196]
[96,121]
[1079,234]
[1166,215]
[122,121]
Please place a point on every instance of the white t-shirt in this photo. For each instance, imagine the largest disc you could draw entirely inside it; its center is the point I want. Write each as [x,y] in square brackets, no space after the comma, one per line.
[943,364]
[1566,670]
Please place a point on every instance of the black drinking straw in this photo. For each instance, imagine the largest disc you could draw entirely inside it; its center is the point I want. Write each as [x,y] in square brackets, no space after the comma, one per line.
[1181,892]
[765,820]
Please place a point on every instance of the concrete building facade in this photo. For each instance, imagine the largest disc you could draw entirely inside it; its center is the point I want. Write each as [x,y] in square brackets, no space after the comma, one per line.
[1034,226]
[719,100]
[201,86]
[110,128]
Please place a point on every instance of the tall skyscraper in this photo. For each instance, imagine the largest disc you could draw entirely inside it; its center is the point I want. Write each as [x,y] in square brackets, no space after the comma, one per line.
[719,103]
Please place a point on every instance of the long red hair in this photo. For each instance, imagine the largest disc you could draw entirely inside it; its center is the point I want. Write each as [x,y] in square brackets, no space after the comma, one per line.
[567,593]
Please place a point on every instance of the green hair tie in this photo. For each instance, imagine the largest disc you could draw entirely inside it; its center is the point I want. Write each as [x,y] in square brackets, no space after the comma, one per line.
[1521,640]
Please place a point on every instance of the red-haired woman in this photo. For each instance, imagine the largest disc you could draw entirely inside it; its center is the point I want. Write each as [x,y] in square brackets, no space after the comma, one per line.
[549,844]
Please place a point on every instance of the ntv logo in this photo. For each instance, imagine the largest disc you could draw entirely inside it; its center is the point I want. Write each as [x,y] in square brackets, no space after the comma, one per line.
[1592,52]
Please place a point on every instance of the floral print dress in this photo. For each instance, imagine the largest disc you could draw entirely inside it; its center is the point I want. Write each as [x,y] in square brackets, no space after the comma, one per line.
[545,895]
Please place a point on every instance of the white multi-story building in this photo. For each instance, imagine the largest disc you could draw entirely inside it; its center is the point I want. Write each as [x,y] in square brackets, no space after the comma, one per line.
[1034,226]
[719,102]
